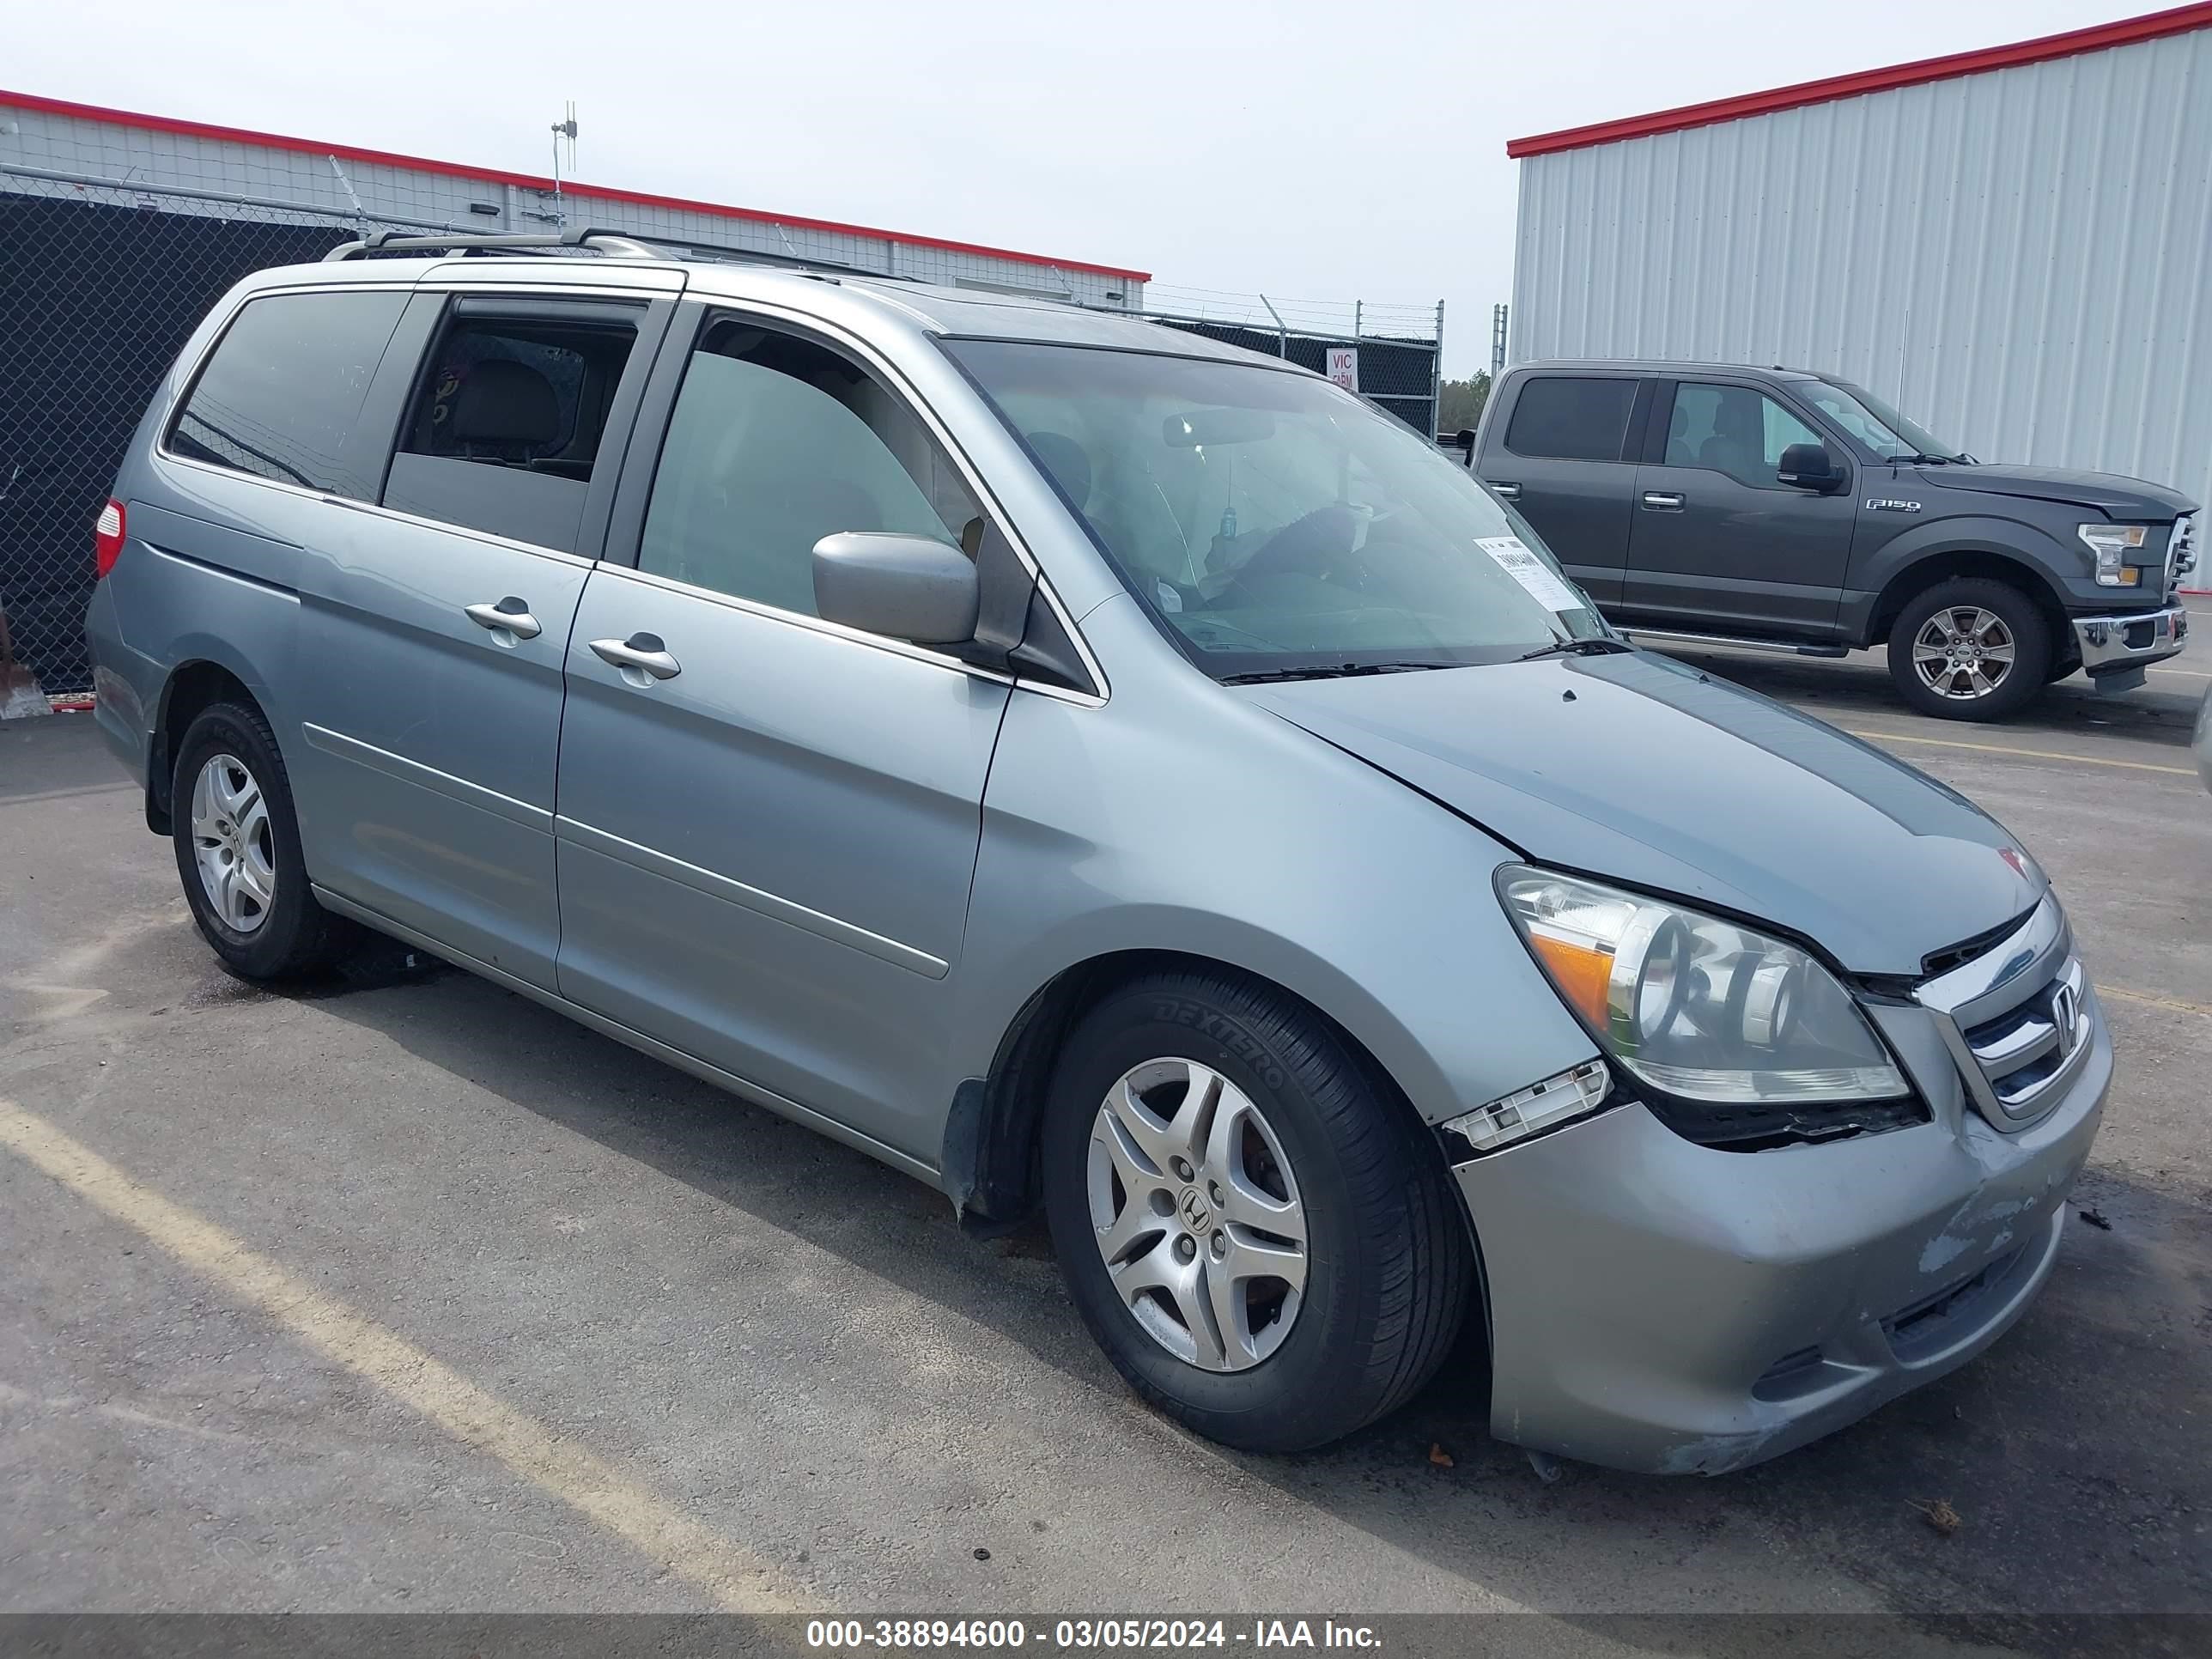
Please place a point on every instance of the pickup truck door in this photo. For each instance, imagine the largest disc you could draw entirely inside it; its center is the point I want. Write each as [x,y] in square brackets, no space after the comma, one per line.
[1719,545]
[1562,455]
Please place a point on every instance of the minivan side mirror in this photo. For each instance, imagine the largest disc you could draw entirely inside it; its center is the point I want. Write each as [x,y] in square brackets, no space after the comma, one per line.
[906,587]
[1809,466]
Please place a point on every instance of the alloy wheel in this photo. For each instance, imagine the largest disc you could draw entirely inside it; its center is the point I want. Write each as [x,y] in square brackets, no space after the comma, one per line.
[1963,652]
[1197,1214]
[233,843]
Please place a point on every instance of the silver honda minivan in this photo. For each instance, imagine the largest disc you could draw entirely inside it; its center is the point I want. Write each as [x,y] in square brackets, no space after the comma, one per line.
[1099,771]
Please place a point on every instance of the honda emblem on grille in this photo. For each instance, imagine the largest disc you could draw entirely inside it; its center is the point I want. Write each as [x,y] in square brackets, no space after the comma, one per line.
[2066,1013]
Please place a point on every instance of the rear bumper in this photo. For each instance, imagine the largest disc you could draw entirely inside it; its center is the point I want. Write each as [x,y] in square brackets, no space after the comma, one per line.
[1659,1306]
[2130,640]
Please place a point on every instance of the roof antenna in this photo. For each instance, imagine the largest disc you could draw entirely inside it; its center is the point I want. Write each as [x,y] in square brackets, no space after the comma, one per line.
[565,129]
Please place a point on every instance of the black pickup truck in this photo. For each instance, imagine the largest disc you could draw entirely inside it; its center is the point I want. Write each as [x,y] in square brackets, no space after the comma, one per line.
[1796,512]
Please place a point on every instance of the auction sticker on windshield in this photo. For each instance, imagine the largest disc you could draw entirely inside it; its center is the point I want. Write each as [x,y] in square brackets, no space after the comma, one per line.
[1543,583]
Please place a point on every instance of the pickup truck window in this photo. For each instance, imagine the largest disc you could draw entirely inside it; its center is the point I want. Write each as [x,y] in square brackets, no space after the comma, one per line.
[1732,430]
[1569,418]
[1274,525]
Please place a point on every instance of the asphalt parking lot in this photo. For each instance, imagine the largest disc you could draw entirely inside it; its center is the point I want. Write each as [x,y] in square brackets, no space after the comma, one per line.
[411,1295]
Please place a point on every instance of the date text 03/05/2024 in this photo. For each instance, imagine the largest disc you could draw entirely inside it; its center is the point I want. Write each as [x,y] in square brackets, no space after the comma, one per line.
[1115,1634]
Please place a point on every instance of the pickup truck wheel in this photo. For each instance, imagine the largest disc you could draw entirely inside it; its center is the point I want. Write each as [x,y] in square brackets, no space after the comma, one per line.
[1258,1233]
[1970,650]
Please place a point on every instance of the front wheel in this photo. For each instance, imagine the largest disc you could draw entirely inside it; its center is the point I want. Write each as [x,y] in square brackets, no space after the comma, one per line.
[1970,650]
[1253,1225]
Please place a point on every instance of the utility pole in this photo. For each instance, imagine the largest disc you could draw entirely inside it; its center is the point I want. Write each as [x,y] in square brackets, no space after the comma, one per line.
[563,128]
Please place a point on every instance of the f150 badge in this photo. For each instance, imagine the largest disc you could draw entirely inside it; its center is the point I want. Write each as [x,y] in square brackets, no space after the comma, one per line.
[1882,504]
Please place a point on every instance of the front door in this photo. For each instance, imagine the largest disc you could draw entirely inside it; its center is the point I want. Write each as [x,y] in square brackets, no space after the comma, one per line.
[1719,545]
[434,623]
[767,824]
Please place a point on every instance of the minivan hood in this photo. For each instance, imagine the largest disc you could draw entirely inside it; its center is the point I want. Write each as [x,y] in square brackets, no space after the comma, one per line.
[1637,769]
[2108,492]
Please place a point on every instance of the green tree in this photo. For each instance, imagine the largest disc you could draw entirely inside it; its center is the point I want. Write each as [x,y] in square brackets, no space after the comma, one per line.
[1460,405]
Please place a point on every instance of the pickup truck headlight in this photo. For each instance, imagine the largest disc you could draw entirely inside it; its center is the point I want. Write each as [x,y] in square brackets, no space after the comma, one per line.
[1707,1012]
[2112,543]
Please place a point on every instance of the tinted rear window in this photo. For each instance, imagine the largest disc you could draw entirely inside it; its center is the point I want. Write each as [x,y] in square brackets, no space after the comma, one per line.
[1567,418]
[280,395]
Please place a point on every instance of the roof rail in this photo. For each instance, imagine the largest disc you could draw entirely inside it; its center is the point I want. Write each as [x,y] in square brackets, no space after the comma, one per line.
[467,243]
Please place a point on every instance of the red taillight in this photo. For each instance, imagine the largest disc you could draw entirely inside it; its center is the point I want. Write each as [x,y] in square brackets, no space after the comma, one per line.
[106,538]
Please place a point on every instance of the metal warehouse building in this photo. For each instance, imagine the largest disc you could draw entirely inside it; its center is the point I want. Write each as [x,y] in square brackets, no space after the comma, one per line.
[2012,246]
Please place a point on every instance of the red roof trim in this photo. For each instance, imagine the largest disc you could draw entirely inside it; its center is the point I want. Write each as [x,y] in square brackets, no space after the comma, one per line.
[2101,37]
[531,181]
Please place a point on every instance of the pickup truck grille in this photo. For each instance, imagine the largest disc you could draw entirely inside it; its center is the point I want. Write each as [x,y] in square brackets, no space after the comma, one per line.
[2181,552]
[2018,1019]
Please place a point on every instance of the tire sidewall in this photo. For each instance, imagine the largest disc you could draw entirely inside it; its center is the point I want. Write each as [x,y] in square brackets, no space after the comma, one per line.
[1300,1382]
[2031,649]
[293,926]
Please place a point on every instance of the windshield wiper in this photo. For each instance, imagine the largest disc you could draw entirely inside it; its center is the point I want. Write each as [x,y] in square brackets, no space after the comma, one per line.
[1924,460]
[1590,647]
[1325,671]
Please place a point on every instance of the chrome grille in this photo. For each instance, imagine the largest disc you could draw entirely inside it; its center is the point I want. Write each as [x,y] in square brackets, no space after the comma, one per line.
[2017,1019]
[2181,551]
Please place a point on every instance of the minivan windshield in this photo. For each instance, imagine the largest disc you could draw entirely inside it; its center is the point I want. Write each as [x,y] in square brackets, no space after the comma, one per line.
[1876,425]
[1274,526]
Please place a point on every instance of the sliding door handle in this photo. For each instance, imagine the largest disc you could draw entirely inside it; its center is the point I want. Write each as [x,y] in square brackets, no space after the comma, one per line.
[641,657]
[510,613]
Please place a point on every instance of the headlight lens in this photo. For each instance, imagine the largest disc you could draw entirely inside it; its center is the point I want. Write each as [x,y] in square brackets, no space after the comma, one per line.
[1695,1006]
[2112,543]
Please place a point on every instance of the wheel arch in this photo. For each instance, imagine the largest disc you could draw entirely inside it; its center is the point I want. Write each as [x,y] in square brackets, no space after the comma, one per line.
[193,685]
[989,1162]
[1987,564]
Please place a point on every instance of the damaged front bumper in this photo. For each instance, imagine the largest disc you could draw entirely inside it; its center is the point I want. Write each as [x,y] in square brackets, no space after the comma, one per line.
[1660,1306]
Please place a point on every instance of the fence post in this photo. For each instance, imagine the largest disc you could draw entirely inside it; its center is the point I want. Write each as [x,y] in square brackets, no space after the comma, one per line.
[1282,334]
[1437,375]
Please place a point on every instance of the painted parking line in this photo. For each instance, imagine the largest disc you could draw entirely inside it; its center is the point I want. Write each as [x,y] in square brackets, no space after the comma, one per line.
[2183,673]
[2144,997]
[2032,754]
[735,1580]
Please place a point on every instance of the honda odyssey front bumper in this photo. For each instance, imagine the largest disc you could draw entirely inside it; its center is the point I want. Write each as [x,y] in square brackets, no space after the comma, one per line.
[1658,1305]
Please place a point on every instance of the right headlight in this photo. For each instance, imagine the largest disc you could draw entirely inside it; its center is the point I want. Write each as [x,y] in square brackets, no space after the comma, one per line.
[1749,1032]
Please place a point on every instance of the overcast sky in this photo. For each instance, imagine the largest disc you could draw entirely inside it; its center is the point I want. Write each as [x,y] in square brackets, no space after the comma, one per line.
[1314,149]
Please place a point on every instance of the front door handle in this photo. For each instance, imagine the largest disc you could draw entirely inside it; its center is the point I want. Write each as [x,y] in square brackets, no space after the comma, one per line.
[510,613]
[1511,492]
[1663,500]
[642,657]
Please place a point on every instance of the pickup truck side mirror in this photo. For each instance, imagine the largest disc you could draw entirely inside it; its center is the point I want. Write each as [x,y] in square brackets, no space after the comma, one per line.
[904,587]
[1465,441]
[1809,466]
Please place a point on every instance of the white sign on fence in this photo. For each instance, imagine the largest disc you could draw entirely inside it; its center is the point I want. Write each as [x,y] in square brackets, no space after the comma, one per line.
[1343,367]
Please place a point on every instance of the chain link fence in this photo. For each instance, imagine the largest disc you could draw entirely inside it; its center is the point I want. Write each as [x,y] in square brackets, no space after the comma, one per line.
[100,285]
[99,290]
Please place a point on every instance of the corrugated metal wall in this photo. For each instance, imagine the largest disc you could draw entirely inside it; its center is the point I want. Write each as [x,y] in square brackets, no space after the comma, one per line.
[2022,258]
[82,147]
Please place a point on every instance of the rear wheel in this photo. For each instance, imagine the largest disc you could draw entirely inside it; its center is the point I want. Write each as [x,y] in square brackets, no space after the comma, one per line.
[238,849]
[1970,650]
[1253,1226]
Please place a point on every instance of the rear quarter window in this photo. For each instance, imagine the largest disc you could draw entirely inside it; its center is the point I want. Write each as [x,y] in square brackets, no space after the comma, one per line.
[1569,418]
[280,394]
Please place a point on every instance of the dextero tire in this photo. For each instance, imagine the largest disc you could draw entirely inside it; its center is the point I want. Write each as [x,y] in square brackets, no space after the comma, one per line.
[1255,1227]
[1970,650]
[237,850]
